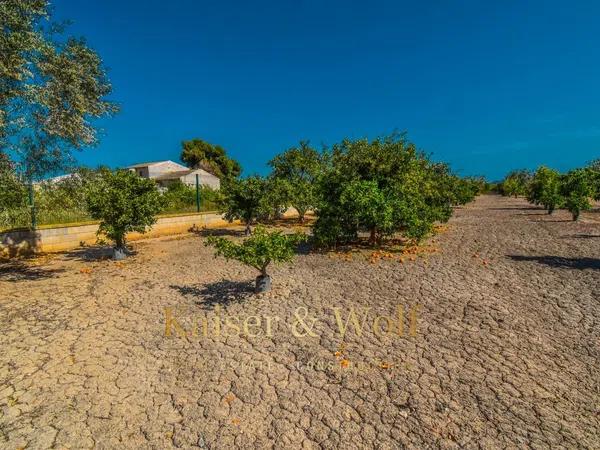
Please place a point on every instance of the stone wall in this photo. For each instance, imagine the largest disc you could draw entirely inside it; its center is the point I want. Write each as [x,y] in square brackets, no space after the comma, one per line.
[63,238]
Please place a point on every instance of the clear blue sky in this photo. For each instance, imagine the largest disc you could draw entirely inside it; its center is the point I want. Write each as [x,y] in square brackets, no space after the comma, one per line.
[487,86]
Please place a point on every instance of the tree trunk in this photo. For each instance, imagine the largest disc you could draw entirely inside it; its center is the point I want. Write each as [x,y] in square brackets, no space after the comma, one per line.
[248,230]
[263,282]
[120,250]
[551,209]
[575,215]
[373,237]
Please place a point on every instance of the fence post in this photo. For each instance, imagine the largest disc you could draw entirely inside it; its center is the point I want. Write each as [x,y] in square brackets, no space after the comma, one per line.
[197,193]
[32,206]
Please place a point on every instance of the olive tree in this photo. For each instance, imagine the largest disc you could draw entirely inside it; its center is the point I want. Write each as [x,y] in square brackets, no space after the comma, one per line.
[52,88]
[13,195]
[12,191]
[259,251]
[576,189]
[123,202]
[544,189]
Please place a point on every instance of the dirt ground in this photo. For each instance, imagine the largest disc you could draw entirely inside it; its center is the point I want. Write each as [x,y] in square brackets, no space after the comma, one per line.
[499,345]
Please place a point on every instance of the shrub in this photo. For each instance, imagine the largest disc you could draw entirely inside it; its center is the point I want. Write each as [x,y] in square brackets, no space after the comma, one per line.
[242,199]
[180,197]
[544,189]
[576,189]
[259,251]
[65,200]
[123,202]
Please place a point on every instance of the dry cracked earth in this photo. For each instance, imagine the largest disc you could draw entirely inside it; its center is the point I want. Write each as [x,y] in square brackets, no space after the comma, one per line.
[499,345]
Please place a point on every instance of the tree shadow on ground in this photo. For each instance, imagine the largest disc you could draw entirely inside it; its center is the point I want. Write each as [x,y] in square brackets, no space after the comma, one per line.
[560,262]
[94,253]
[14,271]
[205,232]
[580,236]
[514,208]
[221,292]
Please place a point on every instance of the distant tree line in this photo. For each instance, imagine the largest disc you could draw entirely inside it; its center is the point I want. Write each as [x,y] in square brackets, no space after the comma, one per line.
[573,190]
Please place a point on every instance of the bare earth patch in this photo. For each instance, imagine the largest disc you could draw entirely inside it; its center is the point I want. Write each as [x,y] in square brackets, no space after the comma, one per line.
[506,352]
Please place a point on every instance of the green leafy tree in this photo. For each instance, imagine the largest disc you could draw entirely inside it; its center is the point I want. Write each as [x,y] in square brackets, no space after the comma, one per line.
[51,89]
[381,187]
[242,199]
[275,200]
[576,189]
[300,167]
[544,189]
[12,192]
[516,183]
[479,185]
[445,189]
[197,153]
[259,251]
[13,196]
[593,170]
[372,207]
[20,38]
[465,190]
[123,202]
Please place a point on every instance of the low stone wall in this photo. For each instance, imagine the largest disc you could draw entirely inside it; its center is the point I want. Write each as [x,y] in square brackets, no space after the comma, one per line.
[63,238]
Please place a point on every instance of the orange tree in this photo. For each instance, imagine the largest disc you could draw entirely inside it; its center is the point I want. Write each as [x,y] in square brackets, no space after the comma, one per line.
[381,187]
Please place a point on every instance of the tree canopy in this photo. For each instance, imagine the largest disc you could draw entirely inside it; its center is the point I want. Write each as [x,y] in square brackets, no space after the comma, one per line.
[576,189]
[259,250]
[51,89]
[299,167]
[123,202]
[382,187]
[242,199]
[544,189]
[200,154]
[516,183]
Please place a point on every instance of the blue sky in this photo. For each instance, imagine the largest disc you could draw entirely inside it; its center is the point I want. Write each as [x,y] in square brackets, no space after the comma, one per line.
[485,86]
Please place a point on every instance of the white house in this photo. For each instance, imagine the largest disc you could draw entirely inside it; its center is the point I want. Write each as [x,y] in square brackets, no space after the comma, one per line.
[166,172]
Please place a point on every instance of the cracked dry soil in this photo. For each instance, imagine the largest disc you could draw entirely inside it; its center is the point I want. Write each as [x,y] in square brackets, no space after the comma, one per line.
[505,353]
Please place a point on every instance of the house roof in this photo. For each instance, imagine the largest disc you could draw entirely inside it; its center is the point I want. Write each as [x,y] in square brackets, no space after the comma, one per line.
[151,163]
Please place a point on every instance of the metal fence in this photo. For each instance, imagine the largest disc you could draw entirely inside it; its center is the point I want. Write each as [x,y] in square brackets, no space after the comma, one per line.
[46,215]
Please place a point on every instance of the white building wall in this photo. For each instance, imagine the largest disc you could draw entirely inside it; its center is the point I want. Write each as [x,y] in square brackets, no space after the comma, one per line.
[206,179]
[155,170]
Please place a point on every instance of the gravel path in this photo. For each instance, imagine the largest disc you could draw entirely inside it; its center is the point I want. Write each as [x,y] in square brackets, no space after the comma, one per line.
[499,347]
